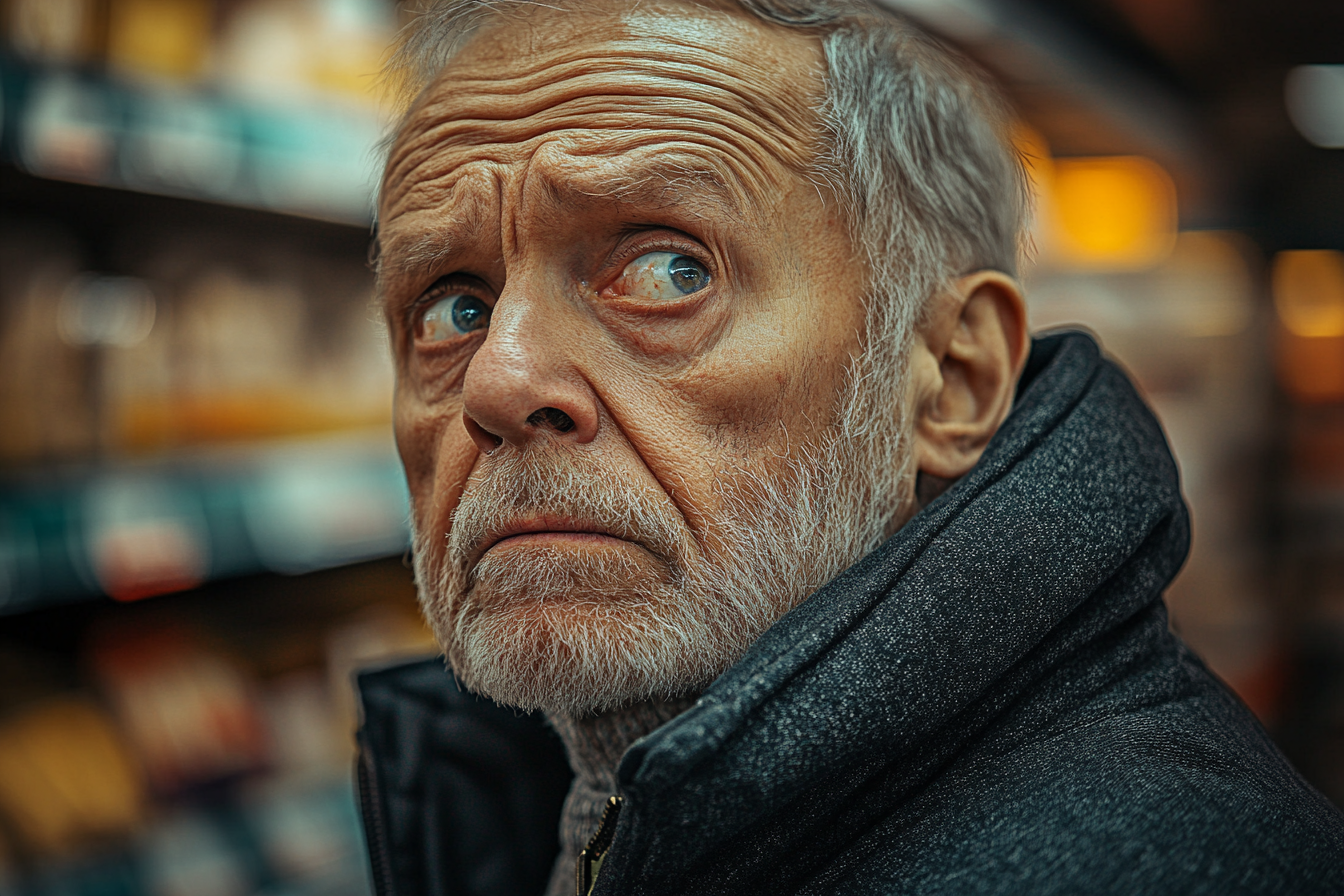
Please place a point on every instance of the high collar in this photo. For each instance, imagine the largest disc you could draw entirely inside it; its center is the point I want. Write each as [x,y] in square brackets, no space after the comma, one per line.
[595,744]
[1071,524]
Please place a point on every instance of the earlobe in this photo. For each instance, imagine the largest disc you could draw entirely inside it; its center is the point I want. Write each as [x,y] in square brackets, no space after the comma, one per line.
[973,346]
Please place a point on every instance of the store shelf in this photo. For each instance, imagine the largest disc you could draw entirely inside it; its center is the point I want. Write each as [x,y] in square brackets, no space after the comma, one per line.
[312,158]
[133,529]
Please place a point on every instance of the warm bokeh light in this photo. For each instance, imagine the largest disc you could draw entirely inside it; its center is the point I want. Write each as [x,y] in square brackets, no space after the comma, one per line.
[1111,213]
[1311,370]
[1309,298]
[162,38]
[1309,292]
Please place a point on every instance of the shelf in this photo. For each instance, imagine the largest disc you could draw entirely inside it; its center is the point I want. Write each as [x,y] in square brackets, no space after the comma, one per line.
[118,164]
[135,528]
[312,158]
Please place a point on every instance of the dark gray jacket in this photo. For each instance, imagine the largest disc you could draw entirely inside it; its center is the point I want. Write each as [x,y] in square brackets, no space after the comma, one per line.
[991,702]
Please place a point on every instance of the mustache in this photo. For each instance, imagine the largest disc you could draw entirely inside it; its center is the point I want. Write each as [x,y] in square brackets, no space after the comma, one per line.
[516,485]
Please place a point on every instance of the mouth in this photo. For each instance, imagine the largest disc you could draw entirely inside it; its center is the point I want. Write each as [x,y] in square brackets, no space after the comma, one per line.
[549,530]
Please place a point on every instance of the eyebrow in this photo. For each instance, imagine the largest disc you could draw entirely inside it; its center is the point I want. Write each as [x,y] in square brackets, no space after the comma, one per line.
[699,189]
[414,256]
[659,186]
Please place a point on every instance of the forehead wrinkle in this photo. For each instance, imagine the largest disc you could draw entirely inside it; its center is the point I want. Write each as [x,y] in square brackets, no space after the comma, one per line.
[468,114]
[725,111]
[640,72]
[724,160]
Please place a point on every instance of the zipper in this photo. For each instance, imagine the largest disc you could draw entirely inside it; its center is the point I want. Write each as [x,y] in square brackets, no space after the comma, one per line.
[379,864]
[590,860]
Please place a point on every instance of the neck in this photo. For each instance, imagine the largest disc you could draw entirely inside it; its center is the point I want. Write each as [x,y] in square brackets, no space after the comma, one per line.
[595,745]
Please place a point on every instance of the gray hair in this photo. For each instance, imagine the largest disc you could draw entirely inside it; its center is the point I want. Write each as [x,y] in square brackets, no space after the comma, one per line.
[919,151]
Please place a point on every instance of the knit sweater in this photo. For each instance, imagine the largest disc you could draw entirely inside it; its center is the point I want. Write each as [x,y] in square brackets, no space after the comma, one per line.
[594,746]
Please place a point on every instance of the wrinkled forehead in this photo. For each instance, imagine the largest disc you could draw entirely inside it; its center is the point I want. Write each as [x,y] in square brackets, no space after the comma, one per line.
[724,96]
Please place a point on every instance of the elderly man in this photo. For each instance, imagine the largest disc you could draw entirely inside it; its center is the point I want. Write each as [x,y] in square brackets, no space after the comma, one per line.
[729,452]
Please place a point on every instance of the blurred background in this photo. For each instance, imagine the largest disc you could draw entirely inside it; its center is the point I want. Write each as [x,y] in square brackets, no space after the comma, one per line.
[202,519]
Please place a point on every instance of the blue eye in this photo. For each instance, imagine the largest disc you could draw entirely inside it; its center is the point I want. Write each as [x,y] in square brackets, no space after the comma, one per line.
[454,315]
[662,275]
[687,274]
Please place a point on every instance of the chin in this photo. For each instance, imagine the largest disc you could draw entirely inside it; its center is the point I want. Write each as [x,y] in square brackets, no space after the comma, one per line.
[540,631]
[576,653]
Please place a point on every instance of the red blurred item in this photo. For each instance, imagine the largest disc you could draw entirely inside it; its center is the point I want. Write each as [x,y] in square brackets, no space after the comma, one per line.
[190,714]
[148,559]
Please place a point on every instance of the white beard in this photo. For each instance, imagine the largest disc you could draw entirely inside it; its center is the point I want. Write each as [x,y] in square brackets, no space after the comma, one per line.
[584,633]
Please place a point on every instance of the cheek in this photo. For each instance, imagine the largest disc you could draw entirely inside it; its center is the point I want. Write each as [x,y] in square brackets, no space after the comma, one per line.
[745,409]
[771,381]
[438,456]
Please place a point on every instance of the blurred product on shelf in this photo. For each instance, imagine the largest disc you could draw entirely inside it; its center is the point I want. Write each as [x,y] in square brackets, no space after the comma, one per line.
[66,776]
[299,47]
[198,745]
[203,403]
[267,103]
[258,48]
[191,715]
[45,410]
[61,31]
[159,38]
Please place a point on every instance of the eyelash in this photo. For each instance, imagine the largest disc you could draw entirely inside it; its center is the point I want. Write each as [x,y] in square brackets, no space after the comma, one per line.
[682,245]
[449,284]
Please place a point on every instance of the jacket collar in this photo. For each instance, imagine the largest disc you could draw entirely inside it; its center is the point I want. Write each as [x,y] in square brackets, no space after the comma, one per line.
[1071,523]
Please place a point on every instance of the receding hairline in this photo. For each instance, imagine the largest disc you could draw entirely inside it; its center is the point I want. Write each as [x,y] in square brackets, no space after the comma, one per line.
[422,53]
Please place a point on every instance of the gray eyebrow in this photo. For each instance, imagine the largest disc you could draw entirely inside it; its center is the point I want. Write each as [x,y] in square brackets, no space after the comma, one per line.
[656,186]
[414,255]
[661,186]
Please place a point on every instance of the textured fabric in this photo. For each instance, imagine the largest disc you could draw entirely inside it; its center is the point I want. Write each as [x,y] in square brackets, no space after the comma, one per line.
[989,703]
[595,746]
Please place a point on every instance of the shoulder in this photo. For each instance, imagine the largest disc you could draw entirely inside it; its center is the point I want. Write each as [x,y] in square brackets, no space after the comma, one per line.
[1183,797]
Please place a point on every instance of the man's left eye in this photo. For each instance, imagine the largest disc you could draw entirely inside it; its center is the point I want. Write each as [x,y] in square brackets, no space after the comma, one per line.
[662,275]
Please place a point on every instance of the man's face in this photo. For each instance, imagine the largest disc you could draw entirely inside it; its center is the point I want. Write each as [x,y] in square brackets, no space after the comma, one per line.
[623,317]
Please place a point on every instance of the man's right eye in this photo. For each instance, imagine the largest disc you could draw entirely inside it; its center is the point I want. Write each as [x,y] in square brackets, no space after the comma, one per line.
[452,316]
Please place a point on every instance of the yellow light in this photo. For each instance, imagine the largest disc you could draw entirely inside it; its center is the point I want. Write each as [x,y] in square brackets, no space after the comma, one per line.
[1309,292]
[163,38]
[1112,212]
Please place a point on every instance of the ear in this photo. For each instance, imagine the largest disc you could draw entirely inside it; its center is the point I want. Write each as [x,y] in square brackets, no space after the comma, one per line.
[966,359]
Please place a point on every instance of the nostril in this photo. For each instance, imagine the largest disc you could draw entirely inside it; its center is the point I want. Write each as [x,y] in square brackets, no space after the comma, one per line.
[485,440]
[553,417]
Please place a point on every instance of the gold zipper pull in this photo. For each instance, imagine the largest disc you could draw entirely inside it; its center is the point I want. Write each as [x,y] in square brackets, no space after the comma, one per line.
[590,860]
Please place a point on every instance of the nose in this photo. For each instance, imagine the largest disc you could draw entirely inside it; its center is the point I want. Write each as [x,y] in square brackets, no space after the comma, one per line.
[523,383]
